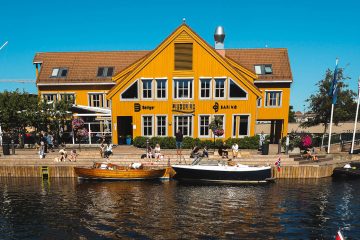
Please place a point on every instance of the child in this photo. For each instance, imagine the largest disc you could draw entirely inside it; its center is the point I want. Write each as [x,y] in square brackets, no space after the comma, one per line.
[42,150]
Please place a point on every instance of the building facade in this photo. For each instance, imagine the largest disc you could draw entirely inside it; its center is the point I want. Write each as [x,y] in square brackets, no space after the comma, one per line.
[183,84]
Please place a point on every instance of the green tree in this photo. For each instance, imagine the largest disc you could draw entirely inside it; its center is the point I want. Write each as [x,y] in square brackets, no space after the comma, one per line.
[291,114]
[320,102]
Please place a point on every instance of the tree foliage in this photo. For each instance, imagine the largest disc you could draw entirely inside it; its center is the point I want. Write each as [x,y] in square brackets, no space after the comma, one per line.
[291,114]
[19,110]
[320,102]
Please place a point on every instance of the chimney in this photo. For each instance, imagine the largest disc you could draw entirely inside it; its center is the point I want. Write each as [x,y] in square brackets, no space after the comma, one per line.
[219,37]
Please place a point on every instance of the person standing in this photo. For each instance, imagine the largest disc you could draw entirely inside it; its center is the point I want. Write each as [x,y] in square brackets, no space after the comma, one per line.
[179,138]
[235,150]
[261,140]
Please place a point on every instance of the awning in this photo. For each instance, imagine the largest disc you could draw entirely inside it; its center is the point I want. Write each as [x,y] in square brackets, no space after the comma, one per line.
[92,109]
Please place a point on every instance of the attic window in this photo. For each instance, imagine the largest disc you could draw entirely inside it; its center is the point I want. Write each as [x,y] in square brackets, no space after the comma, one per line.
[183,56]
[105,71]
[59,72]
[263,69]
[131,92]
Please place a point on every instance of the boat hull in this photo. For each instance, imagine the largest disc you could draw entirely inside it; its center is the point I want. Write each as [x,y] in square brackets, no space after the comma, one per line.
[346,173]
[223,174]
[125,174]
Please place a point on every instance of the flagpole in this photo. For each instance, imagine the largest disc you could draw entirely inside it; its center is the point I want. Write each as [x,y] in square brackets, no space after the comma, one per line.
[331,119]
[333,94]
[356,117]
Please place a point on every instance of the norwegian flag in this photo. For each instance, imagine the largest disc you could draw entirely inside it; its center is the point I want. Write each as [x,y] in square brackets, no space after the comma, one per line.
[278,164]
[339,236]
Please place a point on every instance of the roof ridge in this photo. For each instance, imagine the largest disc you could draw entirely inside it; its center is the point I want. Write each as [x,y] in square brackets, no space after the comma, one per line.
[255,48]
[110,51]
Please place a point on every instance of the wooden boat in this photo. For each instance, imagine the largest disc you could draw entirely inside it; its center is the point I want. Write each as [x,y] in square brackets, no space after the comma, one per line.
[223,173]
[350,170]
[109,171]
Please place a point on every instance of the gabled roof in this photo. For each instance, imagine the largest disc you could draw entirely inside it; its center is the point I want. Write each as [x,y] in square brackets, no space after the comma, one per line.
[277,57]
[83,66]
[165,43]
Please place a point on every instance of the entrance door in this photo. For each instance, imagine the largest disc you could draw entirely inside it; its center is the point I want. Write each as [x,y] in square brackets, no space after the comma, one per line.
[124,128]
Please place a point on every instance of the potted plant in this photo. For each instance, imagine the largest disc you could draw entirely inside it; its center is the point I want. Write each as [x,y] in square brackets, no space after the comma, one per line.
[128,139]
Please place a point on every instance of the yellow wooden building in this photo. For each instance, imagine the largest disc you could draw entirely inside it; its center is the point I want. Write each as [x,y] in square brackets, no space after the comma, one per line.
[182,84]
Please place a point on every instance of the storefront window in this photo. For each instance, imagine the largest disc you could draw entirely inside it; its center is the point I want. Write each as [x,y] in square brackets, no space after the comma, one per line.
[204,126]
[147,125]
[184,123]
[161,125]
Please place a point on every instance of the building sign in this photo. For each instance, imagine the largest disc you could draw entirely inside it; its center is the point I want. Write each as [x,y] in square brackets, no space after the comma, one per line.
[217,106]
[183,107]
[138,107]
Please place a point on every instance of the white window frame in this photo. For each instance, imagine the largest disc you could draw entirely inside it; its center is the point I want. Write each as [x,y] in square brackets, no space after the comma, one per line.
[131,99]
[225,83]
[236,98]
[48,94]
[176,126]
[275,91]
[68,93]
[199,126]
[166,88]
[96,93]
[151,88]
[248,125]
[166,125]
[190,89]
[224,125]
[152,125]
[210,87]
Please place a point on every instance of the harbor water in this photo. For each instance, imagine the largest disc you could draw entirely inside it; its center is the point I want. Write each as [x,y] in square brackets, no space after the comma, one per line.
[65,208]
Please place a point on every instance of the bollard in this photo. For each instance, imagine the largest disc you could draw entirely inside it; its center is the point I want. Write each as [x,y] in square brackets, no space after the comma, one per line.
[12,147]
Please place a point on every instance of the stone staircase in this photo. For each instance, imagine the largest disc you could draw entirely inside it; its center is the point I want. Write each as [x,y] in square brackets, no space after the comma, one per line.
[303,160]
[124,155]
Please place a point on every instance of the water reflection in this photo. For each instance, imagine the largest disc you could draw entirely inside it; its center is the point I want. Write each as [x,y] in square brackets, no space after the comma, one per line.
[67,208]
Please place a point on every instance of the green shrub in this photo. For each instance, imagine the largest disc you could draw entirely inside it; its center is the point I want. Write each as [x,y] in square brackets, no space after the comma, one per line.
[188,143]
[154,140]
[208,143]
[168,143]
[244,143]
[218,143]
[140,142]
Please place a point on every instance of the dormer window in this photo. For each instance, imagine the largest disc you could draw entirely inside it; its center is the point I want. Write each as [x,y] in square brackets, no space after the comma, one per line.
[59,72]
[105,71]
[263,69]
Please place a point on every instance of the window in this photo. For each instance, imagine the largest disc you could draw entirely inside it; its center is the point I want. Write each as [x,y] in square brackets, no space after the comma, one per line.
[204,126]
[183,56]
[184,123]
[219,88]
[146,88]
[273,99]
[105,71]
[182,89]
[235,91]
[161,88]
[240,125]
[59,72]
[147,125]
[205,88]
[161,125]
[70,98]
[263,69]
[131,92]
[49,97]
[259,102]
[96,100]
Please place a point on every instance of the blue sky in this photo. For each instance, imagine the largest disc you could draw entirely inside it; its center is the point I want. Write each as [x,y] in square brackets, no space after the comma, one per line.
[314,32]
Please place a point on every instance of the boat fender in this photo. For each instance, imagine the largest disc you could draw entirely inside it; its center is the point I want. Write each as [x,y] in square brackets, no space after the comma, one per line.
[347,165]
